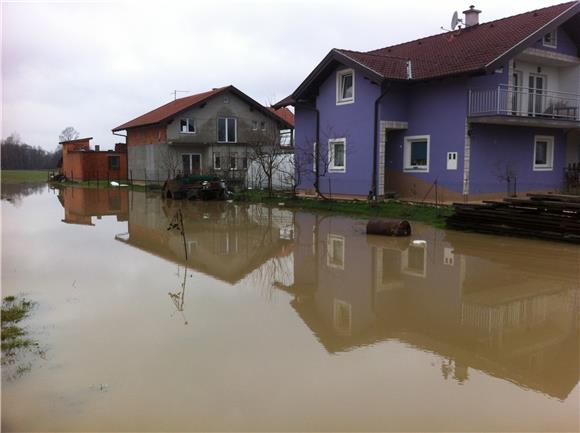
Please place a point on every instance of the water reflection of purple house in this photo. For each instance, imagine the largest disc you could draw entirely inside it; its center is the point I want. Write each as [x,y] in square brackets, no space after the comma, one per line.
[465,298]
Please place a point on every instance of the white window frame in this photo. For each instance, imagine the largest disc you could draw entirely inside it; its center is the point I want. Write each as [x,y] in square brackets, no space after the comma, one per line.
[190,160]
[331,167]
[188,121]
[339,98]
[407,167]
[405,269]
[233,155]
[331,263]
[554,43]
[217,155]
[549,166]
[235,130]
[314,157]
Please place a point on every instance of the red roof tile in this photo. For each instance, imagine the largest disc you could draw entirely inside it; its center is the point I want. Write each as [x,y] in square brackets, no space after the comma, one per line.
[469,49]
[169,109]
[284,113]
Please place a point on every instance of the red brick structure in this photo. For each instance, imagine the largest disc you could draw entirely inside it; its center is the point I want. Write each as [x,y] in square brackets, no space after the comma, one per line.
[81,163]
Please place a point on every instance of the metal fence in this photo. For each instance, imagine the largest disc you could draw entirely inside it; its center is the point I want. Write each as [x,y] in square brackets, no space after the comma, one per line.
[524,101]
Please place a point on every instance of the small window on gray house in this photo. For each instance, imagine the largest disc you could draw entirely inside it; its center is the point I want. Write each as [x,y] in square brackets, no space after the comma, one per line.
[217,161]
[245,162]
[227,130]
[114,162]
[254,125]
[187,126]
[233,161]
[550,39]
[263,125]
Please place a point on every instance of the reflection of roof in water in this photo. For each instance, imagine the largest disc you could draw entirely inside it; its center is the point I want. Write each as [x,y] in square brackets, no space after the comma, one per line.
[558,351]
[228,268]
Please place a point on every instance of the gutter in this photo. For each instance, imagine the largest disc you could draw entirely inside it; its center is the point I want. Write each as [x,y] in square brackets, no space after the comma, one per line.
[373,190]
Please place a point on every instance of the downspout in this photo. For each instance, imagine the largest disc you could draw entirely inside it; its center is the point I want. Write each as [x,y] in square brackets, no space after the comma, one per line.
[317,151]
[373,190]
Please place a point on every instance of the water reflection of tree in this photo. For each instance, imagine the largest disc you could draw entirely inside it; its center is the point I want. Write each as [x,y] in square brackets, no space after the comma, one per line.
[178,298]
[15,192]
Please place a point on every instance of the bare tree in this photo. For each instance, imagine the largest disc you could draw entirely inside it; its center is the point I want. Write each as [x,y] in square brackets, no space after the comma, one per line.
[267,154]
[68,134]
[169,162]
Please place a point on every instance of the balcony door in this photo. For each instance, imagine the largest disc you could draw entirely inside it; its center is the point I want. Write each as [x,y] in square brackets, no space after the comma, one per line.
[516,93]
[537,90]
[191,163]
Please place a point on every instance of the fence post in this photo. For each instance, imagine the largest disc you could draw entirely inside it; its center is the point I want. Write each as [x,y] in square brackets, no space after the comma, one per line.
[131,178]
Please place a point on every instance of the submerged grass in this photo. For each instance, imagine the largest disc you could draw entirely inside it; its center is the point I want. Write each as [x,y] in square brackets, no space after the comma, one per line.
[23,176]
[429,214]
[13,336]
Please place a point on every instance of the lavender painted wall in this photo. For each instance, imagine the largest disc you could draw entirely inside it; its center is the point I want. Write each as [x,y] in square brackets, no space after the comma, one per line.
[437,109]
[495,148]
[565,45]
[305,125]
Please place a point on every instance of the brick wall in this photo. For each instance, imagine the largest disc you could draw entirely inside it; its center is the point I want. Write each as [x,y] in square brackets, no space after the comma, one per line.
[147,135]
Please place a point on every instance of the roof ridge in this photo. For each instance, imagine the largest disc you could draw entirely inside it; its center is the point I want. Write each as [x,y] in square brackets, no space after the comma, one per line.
[470,28]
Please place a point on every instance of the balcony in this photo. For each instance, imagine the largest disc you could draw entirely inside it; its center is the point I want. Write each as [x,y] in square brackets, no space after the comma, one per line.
[516,105]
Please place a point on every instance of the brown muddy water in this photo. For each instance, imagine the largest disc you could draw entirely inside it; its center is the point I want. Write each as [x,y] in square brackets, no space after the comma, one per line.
[267,319]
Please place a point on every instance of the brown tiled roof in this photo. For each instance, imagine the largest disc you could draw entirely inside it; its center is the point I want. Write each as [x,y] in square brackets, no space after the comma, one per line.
[478,48]
[169,109]
[468,49]
[284,113]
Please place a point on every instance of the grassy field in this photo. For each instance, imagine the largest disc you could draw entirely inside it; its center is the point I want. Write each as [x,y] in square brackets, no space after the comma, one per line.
[23,176]
[429,214]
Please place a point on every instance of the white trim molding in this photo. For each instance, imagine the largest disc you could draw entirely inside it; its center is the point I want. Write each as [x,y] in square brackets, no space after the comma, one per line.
[331,167]
[549,140]
[339,89]
[408,141]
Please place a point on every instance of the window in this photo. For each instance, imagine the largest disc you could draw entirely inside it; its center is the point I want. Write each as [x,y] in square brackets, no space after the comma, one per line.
[263,125]
[414,259]
[543,153]
[191,163]
[227,130]
[233,161]
[314,157]
[217,161]
[245,162]
[226,100]
[254,125]
[114,162]
[345,87]
[416,153]
[550,39]
[337,155]
[335,251]
[187,126]
[286,137]
[342,317]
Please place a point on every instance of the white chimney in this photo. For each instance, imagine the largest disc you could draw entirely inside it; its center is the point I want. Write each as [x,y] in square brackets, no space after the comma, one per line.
[471,16]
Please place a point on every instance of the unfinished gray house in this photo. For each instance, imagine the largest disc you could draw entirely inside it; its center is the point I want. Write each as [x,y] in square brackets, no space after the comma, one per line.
[213,132]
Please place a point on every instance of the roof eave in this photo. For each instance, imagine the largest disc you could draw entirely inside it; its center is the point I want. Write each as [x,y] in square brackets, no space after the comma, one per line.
[333,55]
[527,42]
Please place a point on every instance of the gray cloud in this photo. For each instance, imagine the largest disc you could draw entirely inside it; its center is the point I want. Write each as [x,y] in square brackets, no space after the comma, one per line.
[95,65]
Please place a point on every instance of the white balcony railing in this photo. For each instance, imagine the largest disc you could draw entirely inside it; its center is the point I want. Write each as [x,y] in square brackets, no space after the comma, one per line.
[524,101]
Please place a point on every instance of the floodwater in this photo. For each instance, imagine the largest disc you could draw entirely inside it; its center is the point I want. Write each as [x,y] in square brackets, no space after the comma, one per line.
[171,316]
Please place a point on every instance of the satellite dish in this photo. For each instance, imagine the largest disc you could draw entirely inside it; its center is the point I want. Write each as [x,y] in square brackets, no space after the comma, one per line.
[454,20]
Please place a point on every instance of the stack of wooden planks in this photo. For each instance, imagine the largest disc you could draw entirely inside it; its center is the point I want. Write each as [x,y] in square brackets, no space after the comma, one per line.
[546,216]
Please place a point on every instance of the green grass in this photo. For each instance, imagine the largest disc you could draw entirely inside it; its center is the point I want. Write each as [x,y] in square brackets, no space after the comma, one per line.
[13,336]
[102,184]
[23,176]
[429,214]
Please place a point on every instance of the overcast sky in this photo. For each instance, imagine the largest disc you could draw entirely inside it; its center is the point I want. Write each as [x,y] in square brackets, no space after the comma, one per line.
[95,65]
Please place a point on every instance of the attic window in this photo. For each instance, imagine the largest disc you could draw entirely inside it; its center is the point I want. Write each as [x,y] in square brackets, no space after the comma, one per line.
[345,87]
[550,40]
[187,126]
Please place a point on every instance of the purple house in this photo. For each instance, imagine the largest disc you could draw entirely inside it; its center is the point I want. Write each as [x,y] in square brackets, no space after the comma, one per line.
[478,112]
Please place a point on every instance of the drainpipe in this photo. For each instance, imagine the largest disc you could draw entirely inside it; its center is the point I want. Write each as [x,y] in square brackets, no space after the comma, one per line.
[373,190]
[317,155]
[120,135]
